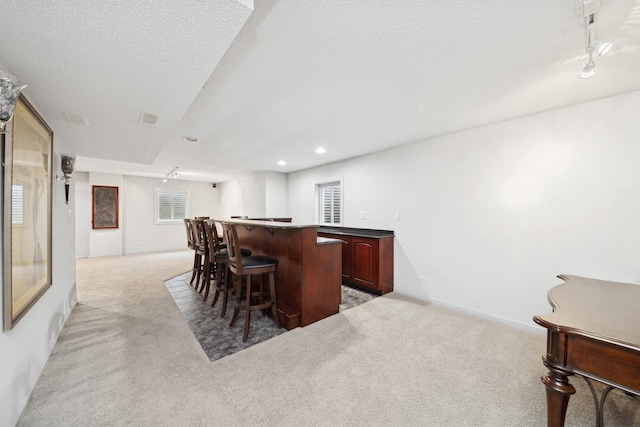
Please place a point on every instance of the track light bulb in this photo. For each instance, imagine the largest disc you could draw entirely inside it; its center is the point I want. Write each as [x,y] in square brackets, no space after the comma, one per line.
[603,48]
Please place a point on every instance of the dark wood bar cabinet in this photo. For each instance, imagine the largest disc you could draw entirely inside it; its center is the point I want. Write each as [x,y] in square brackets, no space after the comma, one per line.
[308,285]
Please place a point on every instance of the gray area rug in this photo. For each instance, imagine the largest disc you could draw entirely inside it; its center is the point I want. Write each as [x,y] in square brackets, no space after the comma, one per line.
[213,332]
[126,357]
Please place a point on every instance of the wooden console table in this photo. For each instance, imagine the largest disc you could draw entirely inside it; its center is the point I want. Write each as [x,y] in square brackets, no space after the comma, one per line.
[308,285]
[594,331]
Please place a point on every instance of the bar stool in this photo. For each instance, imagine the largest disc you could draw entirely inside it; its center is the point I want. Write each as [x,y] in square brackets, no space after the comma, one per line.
[191,245]
[201,253]
[217,265]
[244,268]
[187,226]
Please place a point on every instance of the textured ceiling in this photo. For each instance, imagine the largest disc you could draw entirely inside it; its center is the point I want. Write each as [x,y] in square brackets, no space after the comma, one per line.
[275,83]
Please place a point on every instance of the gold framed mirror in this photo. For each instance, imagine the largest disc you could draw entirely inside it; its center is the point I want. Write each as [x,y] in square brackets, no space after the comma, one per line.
[27,179]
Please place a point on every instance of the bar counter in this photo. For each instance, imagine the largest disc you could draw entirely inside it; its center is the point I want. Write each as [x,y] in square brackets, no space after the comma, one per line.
[308,278]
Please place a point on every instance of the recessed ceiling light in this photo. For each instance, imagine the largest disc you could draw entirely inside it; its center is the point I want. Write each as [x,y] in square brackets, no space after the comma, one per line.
[190,139]
[320,150]
[282,162]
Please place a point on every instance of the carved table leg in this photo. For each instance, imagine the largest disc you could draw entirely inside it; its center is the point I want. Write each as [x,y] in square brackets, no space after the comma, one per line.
[558,392]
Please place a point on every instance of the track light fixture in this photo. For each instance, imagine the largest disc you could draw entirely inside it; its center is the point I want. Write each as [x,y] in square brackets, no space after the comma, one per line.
[593,45]
[173,173]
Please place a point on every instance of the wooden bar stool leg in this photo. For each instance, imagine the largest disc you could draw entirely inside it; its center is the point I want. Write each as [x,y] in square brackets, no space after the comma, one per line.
[236,309]
[195,267]
[261,294]
[218,283]
[227,289]
[206,280]
[247,310]
[203,262]
[194,282]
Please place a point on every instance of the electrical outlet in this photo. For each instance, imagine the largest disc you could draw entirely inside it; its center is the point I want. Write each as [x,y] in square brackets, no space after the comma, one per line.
[397,216]
[363,214]
[424,280]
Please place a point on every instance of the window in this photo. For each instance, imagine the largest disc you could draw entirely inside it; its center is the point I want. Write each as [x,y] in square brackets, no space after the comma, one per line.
[172,206]
[17,204]
[330,203]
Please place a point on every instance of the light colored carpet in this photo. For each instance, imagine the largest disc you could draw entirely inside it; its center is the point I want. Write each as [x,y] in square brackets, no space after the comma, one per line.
[127,357]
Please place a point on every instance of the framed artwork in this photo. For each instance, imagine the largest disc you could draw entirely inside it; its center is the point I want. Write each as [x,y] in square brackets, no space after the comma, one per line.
[27,158]
[105,207]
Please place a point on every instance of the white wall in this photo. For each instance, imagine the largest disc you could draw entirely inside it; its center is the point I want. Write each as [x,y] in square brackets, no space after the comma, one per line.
[260,195]
[137,230]
[491,215]
[276,195]
[82,190]
[141,232]
[25,349]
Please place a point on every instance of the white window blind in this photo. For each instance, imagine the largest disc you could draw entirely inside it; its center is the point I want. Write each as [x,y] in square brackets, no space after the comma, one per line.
[17,204]
[172,206]
[330,203]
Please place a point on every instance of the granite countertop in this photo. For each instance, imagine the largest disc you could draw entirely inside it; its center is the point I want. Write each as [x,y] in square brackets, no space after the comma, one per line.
[358,232]
[344,231]
[267,224]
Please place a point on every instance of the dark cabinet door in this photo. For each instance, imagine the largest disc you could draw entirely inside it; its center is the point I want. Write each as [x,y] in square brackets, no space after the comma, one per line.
[364,265]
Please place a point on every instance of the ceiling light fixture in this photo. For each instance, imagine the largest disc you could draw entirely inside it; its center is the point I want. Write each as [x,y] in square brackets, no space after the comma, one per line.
[588,70]
[589,9]
[10,88]
[282,162]
[320,150]
[173,173]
